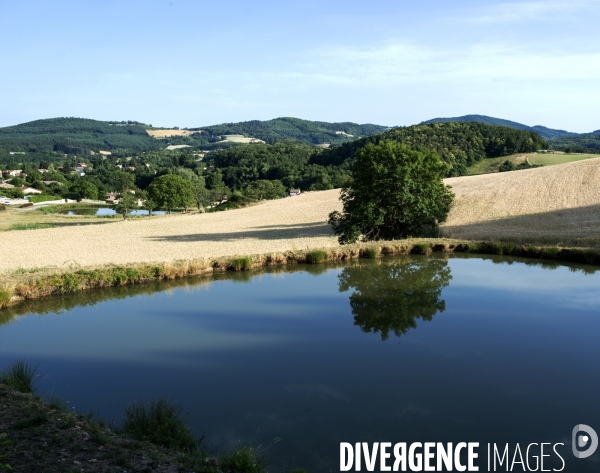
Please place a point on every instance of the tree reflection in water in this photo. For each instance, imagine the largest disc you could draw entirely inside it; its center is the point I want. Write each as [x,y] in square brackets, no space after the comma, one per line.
[390,297]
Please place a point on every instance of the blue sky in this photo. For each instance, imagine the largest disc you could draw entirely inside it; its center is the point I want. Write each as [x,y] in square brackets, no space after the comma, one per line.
[194,63]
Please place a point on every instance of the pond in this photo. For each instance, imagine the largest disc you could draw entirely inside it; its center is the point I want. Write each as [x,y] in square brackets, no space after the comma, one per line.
[105,211]
[411,349]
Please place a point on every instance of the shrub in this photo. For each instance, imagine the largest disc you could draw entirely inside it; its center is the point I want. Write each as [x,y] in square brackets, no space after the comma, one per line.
[158,422]
[243,460]
[30,226]
[2,207]
[371,252]
[241,264]
[4,299]
[420,248]
[19,376]
[43,198]
[316,256]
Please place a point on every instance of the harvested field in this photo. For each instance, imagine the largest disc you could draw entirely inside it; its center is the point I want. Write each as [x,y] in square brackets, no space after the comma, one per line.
[558,205]
[167,133]
[243,139]
[555,205]
[549,159]
[294,223]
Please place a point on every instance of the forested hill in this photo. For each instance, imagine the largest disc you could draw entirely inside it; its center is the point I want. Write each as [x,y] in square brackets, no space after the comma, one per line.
[544,132]
[306,131]
[460,144]
[80,136]
[76,136]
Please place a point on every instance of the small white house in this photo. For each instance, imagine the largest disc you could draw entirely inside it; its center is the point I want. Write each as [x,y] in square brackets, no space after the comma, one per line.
[294,192]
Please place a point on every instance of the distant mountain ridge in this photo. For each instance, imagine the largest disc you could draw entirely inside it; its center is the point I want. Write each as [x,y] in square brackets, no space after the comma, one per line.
[544,132]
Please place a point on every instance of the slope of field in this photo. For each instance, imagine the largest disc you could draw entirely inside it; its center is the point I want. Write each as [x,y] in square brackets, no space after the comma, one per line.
[558,205]
[293,223]
[165,133]
[550,159]
[555,204]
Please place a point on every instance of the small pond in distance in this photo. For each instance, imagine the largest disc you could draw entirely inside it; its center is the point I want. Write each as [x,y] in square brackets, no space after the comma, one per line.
[412,349]
[104,211]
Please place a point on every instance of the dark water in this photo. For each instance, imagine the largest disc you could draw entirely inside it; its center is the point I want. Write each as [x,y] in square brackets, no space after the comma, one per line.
[394,350]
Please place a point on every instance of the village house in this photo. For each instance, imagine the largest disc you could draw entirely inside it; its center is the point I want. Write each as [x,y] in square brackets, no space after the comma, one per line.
[12,172]
[48,183]
[30,190]
[112,198]
[6,185]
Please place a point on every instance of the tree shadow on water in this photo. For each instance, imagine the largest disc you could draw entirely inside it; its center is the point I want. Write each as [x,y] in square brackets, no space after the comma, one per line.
[390,297]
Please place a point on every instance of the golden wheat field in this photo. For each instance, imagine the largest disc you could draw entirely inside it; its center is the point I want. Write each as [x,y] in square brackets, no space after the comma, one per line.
[554,205]
[558,205]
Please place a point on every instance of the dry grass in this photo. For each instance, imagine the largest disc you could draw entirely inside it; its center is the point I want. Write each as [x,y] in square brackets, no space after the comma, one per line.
[167,133]
[554,205]
[243,139]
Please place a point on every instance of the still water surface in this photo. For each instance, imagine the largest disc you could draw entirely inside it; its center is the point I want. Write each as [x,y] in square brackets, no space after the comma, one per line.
[397,349]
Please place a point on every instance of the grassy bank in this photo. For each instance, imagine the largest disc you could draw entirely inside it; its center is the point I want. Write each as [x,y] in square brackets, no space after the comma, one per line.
[35,283]
[38,435]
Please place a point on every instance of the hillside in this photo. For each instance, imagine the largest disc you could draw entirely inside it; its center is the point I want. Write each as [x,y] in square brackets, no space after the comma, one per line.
[296,129]
[75,136]
[559,205]
[584,143]
[459,144]
[544,132]
[54,137]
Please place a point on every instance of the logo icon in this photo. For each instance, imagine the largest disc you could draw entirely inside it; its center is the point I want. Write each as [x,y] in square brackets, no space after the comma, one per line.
[581,441]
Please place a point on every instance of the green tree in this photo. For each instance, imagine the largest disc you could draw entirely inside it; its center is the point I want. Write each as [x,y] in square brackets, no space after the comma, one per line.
[396,192]
[263,189]
[201,195]
[171,191]
[85,189]
[127,202]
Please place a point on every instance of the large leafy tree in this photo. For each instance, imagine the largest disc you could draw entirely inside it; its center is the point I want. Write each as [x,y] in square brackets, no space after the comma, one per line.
[395,192]
[171,191]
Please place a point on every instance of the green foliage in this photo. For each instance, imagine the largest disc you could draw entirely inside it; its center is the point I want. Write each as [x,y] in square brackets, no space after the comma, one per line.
[241,264]
[30,226]
[295,129]
[171,191]
[242,460]
[14,193]
[263,189]
[585,143]
[391,297]
[2,207]
[85,188]
[5,297]
[316,256]
[396,192]
[20,376]
[458,144]
[159,422]
[287,162]
[76,136]
[127,203]
[544,132]
[34,199]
